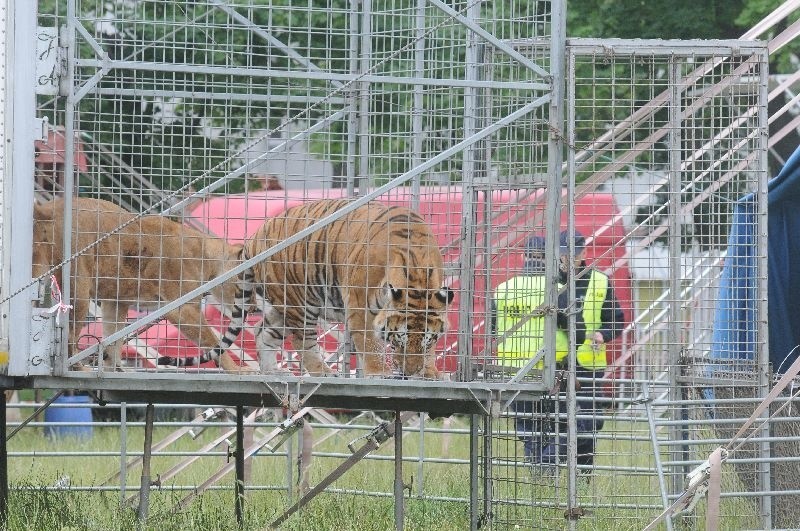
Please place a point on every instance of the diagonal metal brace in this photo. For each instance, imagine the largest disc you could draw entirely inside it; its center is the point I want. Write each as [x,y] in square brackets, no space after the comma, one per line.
[373,440]
[195,424]
[227,468]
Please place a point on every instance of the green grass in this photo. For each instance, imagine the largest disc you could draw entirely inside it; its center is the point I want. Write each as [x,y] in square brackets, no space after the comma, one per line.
[32,506]
[516,491]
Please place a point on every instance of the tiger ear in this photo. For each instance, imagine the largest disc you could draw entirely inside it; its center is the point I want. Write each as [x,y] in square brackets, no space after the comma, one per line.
[395,294]
[445,295]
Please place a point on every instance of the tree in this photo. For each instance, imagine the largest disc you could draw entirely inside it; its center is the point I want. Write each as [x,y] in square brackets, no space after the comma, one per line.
[173,126]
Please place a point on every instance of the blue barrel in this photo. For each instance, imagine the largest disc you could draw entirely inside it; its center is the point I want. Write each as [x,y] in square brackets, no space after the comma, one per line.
[74,413]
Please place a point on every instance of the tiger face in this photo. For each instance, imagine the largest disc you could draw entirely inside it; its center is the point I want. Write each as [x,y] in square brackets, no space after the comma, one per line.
[413,330]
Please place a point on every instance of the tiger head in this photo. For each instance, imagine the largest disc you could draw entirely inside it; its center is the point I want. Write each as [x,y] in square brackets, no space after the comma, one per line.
[412,322]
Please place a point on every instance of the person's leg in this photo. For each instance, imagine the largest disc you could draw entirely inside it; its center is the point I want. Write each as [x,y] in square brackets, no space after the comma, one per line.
[554,451]
[524,424]
[587,428]
[533,427]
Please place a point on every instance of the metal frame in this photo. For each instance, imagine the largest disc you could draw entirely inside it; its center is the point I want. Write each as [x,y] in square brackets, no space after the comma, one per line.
[476,398]
[469,396]
[680,445]
[18,193]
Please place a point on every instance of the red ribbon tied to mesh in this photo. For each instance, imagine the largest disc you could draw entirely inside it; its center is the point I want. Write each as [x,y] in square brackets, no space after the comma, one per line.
[59,307]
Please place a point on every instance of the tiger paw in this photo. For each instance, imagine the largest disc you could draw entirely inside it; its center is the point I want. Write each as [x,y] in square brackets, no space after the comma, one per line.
[228,365]
[378,373]
[430,373]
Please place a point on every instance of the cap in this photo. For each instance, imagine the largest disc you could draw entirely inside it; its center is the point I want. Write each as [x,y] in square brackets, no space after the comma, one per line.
[563,242]
[535,245]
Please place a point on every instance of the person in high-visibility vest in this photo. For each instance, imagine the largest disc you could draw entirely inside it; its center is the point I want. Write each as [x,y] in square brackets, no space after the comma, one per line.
[519,327]
[605,321]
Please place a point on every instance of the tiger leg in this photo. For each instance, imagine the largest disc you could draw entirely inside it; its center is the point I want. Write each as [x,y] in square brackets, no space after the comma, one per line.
[310,353]
[114,315]
[269,341]
[270,338]
[78,315]
[371,351]
[190,321]
[429,369]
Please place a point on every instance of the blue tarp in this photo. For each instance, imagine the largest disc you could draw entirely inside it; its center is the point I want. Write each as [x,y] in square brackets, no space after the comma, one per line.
[734,334]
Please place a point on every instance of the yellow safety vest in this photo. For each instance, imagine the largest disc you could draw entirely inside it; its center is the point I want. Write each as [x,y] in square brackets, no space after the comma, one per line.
[588,356]
[514,299]
[519,296]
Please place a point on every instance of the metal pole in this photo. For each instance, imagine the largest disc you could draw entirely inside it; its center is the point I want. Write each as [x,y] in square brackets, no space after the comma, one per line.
[3,463]
[473,472]
[572,404]
[123,451]
[469,201]
[651,423]
[673,329]
[417,113]
[421,461]
[18,165]
[289,469]
[363,181]
[35,413]
[350,169]
[555,150]
[239,457]
[486,517]
[378,436]
[398,472]
[144,485]
[63,331]
[764,370]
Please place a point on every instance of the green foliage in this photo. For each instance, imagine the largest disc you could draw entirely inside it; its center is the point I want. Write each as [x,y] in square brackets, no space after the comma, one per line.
[176,125]
[782,61]
[677,19]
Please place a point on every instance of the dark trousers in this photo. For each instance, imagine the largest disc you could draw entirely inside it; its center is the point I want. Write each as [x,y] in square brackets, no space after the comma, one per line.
[542,424]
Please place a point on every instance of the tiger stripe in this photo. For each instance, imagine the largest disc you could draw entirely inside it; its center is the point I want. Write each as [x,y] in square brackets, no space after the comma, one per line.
[378,269]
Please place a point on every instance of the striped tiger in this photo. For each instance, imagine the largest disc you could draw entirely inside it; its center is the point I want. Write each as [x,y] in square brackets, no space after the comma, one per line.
[378,269]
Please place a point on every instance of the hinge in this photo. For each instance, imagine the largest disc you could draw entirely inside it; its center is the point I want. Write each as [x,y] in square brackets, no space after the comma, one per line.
[41,126]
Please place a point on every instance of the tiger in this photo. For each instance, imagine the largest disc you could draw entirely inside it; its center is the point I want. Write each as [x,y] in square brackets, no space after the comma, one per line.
[377,269]
[152,260]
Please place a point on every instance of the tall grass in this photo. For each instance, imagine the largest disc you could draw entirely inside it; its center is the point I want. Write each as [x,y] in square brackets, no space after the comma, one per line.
[34,503]
[520,497]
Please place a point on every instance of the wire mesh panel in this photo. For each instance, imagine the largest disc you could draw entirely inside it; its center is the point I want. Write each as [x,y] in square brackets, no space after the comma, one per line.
[379,183]
[190,144]
[675,135]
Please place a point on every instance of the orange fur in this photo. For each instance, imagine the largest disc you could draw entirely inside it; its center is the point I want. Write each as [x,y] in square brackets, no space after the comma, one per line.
[152,261]
[378,269]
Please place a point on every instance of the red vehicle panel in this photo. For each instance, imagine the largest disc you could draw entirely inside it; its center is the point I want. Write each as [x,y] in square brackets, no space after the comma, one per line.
[516,215]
